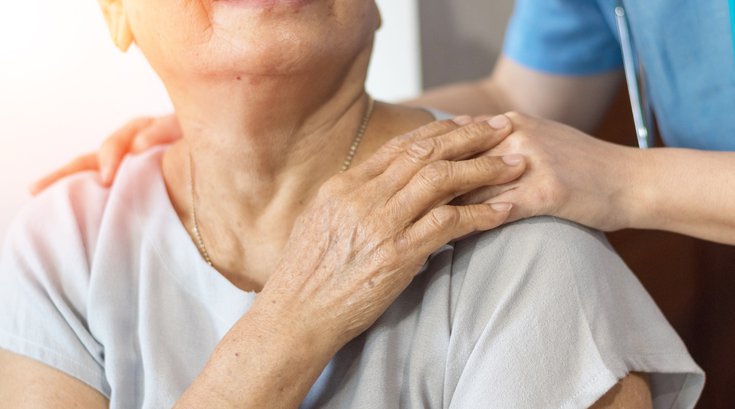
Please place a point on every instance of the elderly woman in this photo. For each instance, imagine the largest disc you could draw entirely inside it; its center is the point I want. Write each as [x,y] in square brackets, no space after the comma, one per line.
[265,262]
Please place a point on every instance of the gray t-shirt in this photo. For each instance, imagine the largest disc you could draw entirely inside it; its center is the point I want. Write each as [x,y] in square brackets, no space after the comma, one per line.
[106,286]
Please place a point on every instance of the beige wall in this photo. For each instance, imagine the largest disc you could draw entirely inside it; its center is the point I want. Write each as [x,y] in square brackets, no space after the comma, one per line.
[461,38]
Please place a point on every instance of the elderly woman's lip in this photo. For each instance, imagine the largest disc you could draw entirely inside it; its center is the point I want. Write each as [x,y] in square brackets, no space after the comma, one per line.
[265,3]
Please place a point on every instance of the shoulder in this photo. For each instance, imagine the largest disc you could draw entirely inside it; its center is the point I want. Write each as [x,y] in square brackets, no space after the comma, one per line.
[542,249]
[530,268]
[550,303]
[47,272]
[553,268]
[61,226]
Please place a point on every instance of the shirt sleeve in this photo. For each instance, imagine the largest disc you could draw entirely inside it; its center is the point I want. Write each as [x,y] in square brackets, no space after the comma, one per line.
[554,319]
[566,37]
[44,282]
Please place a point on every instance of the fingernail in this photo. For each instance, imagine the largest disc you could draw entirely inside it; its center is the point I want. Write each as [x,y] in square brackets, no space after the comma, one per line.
[513,160]
[498,122]
[501,207]
[463,120]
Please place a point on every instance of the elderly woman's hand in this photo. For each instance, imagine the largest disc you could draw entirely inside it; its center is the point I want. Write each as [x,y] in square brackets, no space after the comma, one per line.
[370,230]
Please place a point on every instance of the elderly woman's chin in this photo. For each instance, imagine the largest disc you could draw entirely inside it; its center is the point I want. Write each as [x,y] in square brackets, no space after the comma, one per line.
[255,37]
[267,4]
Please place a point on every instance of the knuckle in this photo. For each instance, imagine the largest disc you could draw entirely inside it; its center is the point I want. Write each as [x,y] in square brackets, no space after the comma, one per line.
[404,241]
[398,143]
[333,187]
[435,174]
[475,220]
[472,132]
[519,142]
[444,217]
[388,255]
[438,127]
[422,150]
[550,193]
[559,193]
[145,137]
[404,141]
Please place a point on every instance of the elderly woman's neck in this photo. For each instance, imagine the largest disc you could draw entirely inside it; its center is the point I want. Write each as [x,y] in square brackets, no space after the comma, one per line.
[253,132]
[258,142]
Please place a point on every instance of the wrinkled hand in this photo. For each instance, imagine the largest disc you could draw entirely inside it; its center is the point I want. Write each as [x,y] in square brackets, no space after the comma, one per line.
[569,174]
[135,137]
[370,229]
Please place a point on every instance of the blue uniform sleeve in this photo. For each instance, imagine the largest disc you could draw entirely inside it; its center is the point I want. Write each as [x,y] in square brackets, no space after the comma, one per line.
[567,37]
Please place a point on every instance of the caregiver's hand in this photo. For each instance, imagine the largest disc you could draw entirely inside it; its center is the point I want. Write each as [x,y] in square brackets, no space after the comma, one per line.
[136,136]
[570,175]
[353,251]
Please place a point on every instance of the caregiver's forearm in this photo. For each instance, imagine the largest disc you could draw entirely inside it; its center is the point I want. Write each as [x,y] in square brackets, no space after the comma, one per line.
[260,364]
[684,191]
[579,101]
[465,98]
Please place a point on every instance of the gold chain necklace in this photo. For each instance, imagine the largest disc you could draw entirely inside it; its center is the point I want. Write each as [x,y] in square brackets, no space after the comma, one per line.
[345,165]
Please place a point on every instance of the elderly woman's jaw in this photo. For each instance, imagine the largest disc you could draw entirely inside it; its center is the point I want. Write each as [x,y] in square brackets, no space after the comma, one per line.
[268,4]
[256,37]
[282,59]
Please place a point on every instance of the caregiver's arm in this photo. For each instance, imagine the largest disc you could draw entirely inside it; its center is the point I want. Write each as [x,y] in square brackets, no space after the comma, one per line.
[580,101]
[684,191]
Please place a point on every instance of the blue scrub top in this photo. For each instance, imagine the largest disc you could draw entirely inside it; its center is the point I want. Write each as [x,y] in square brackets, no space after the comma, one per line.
[685,46]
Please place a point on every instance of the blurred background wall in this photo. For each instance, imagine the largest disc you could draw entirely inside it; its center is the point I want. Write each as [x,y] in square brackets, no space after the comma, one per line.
[460,39]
